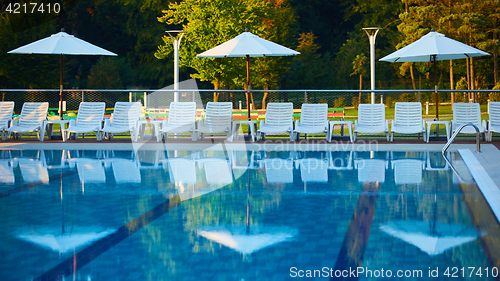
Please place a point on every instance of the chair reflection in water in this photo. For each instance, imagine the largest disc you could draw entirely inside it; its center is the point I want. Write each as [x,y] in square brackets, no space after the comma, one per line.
[34,169]
[278,170]
[408,171]
[371,170]
[314,169]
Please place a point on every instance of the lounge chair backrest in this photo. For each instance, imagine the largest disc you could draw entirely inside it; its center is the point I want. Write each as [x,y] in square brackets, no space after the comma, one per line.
[219,114]
[314,114]
[279,114]
[90,114]
[408,114]
[182,113]
[6,109]
[371,115]
[126,114]
[466,112]
[494,111]
[33,113]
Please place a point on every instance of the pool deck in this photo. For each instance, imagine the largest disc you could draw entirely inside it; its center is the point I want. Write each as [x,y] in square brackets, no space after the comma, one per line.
[489,157]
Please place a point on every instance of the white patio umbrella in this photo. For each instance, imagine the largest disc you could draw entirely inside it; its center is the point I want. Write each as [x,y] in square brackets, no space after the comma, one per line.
[247,45]
[432,47]
[61,44]
[430,237]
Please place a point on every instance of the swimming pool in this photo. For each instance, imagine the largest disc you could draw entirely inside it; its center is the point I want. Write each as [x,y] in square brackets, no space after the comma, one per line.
[241,215]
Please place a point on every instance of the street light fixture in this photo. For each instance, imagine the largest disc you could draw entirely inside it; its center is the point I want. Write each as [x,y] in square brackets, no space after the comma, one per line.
[176,36]
[372,34]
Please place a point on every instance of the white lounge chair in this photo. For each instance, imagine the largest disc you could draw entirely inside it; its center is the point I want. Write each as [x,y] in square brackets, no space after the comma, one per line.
[371,120]
[313,120]
[124,119]
[32,119]
[494,120]
[6,110]
[279,119]
[408,119]
[467,113]
[181,119]
[218,119]
[89,119]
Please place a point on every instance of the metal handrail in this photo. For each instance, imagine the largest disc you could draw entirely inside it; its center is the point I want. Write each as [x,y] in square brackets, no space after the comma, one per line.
[457,131]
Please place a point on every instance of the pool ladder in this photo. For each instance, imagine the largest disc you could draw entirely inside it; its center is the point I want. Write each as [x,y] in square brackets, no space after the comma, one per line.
[457,131]
[447,145]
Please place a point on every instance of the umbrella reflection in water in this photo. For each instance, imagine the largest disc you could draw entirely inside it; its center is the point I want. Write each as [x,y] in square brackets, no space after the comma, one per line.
[247,239]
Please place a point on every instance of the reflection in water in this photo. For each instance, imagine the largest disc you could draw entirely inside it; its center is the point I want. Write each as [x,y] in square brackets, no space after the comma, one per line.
[242,209]
[63,242]
[239,239]
[431,237]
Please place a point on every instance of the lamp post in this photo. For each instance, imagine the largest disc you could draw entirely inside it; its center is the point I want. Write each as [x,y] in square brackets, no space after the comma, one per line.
[176,36]
[372,34]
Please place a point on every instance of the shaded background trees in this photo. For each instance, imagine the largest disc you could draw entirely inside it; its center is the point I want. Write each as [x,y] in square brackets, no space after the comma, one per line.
[328,34]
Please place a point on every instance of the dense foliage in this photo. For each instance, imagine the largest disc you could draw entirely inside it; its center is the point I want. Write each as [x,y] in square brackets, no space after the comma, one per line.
[328,34]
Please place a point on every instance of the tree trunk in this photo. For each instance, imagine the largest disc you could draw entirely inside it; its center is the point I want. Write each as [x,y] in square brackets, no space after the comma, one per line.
[452,86]
[216,87]
[495,54]
[360,87]
[264,98]
[412,77]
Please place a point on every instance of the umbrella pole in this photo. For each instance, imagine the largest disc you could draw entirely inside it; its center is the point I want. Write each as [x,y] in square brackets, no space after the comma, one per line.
[61,89]
[248,87]
[248,202]
[436,87]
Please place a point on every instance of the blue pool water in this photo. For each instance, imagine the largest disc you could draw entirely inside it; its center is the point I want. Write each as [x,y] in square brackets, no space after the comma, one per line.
[241,215]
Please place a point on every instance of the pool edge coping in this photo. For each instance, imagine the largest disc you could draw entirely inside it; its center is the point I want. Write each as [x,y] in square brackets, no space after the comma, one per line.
[487,186]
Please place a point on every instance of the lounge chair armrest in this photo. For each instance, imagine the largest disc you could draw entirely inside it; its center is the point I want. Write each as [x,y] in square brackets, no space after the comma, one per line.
[297,123]
[107,123]
[164,123]
[483,123]
[261,123]
[14,123]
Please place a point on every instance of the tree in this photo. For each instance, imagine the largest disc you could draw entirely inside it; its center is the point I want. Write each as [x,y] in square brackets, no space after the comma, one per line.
[210,23]
[358,67]
[111,73]
[17,71]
